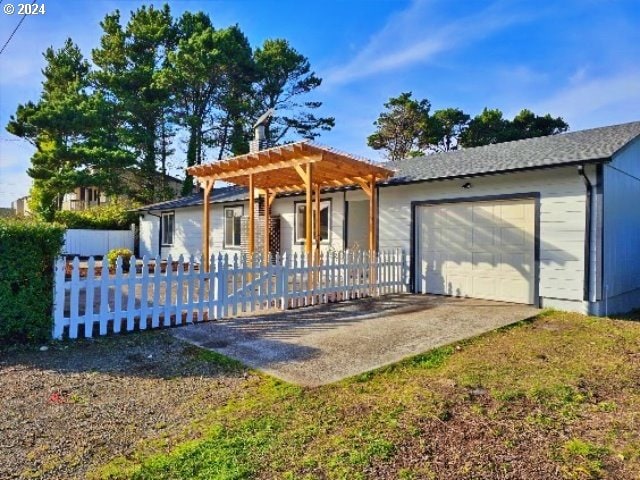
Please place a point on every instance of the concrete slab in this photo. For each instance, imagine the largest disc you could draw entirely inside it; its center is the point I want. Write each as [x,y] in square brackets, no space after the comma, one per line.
[318,345]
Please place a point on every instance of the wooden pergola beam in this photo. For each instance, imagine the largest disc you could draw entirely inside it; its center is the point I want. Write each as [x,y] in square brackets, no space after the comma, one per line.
[208,186]
[268,167]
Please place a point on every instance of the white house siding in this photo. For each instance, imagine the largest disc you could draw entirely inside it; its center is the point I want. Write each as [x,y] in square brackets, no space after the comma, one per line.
[188,228]
[562,223]
[149,230]
[285,208]
[621,240]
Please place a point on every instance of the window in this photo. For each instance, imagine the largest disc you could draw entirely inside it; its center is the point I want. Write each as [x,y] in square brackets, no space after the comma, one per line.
[167,228]
[232,226]
[301,224]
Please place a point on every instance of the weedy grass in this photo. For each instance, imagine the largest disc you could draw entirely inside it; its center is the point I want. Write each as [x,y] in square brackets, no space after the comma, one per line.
[558,373]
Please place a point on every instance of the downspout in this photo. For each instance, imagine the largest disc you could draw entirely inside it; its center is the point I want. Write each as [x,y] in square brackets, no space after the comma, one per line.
[587,234]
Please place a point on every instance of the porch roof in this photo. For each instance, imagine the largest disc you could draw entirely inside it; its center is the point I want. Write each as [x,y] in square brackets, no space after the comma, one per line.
[280,169]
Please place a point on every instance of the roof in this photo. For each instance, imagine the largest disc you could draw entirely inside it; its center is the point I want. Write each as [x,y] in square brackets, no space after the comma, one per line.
[280,169]
[596,144]
[219,195]
[554,150]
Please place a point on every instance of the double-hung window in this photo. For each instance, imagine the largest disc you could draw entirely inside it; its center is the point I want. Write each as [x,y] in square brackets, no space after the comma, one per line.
[232,226]
[167,225]
[301,221]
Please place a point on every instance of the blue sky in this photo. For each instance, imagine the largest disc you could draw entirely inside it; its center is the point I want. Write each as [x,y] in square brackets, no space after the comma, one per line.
[578,59]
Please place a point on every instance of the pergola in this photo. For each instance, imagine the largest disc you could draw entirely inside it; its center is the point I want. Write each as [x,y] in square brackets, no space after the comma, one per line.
[290,169]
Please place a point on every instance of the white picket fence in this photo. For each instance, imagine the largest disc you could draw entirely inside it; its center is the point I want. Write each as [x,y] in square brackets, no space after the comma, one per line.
[155,294]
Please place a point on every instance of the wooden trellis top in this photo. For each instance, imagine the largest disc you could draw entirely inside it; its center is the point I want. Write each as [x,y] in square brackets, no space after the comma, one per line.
[282,169]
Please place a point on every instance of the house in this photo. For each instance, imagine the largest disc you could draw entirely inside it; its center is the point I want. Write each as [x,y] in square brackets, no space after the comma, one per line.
[20,206]
[82,198]
[547,221]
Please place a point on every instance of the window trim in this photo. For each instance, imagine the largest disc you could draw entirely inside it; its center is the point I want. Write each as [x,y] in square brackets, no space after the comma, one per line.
[295,222]
[164,214]
[224,227]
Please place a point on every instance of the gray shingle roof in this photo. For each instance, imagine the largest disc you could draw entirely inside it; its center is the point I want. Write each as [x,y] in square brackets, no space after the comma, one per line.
[554,150]
[223,194]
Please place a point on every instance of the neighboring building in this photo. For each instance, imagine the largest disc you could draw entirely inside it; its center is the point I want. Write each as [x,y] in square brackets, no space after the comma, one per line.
[86,197]
[548,221]
[21,206]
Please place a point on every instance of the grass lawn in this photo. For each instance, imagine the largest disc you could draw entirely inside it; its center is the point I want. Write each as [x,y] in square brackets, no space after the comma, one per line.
[557,397]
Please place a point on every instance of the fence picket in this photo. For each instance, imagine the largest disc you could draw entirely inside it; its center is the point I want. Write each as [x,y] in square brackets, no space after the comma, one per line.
[104,296]
[89,293]
[157,279]
[179,290]
[144,293]
[117,301]
[131,294]
[75,294]
[190,289]
[168,292]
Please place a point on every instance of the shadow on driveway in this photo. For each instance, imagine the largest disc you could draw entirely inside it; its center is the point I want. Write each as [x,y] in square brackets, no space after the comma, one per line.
[323,344]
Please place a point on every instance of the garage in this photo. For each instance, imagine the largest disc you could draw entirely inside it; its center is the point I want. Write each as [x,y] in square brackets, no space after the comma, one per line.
[481,249]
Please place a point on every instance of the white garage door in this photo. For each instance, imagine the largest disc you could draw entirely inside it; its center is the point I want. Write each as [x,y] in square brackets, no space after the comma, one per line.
[478,249]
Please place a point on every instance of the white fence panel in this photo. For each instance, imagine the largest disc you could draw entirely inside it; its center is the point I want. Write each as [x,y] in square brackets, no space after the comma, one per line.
[151,293]
[87,243]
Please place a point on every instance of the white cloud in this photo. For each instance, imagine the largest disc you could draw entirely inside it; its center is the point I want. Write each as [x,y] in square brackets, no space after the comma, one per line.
[596,101]
[414,36]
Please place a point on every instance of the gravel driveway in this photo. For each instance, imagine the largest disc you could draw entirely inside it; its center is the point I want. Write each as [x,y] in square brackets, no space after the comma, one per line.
[78,405]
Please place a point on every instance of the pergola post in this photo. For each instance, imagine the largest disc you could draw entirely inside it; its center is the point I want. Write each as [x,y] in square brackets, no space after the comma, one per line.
[308,211]
[373,211]
[208,186]
[317,225]
[252,219]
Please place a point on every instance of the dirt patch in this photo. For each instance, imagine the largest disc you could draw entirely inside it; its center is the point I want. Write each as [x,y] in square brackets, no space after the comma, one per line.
[76,406]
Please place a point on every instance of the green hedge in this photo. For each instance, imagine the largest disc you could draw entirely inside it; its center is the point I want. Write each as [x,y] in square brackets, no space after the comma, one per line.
[27,252]
[105,217]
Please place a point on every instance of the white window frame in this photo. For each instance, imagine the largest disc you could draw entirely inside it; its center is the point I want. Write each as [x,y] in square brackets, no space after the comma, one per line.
[235,208]
[299,208]
[167,218]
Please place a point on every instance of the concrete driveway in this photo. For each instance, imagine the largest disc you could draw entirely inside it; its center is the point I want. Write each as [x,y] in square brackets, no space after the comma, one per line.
[323,344]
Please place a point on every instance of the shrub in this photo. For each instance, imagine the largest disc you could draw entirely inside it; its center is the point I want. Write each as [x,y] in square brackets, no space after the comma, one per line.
[27,253]
[113,255]
[115,216]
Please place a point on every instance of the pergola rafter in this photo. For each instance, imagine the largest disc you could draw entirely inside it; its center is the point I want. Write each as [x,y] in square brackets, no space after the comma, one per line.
[301,167]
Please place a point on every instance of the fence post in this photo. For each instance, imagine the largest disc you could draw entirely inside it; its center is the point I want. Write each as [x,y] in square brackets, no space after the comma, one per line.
[58,297]
[104,295]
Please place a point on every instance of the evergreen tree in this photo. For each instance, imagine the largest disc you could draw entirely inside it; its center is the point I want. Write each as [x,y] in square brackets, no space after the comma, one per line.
[283,76]
[131,65]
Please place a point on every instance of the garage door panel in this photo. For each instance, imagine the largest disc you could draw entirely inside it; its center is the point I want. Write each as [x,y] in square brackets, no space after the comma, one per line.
[483,236]
[480,249]
[512,236]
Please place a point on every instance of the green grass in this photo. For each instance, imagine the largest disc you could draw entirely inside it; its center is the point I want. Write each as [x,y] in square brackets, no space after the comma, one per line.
[535,382]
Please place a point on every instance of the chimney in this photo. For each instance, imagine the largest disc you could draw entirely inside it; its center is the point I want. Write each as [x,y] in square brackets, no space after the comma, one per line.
[259,141]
